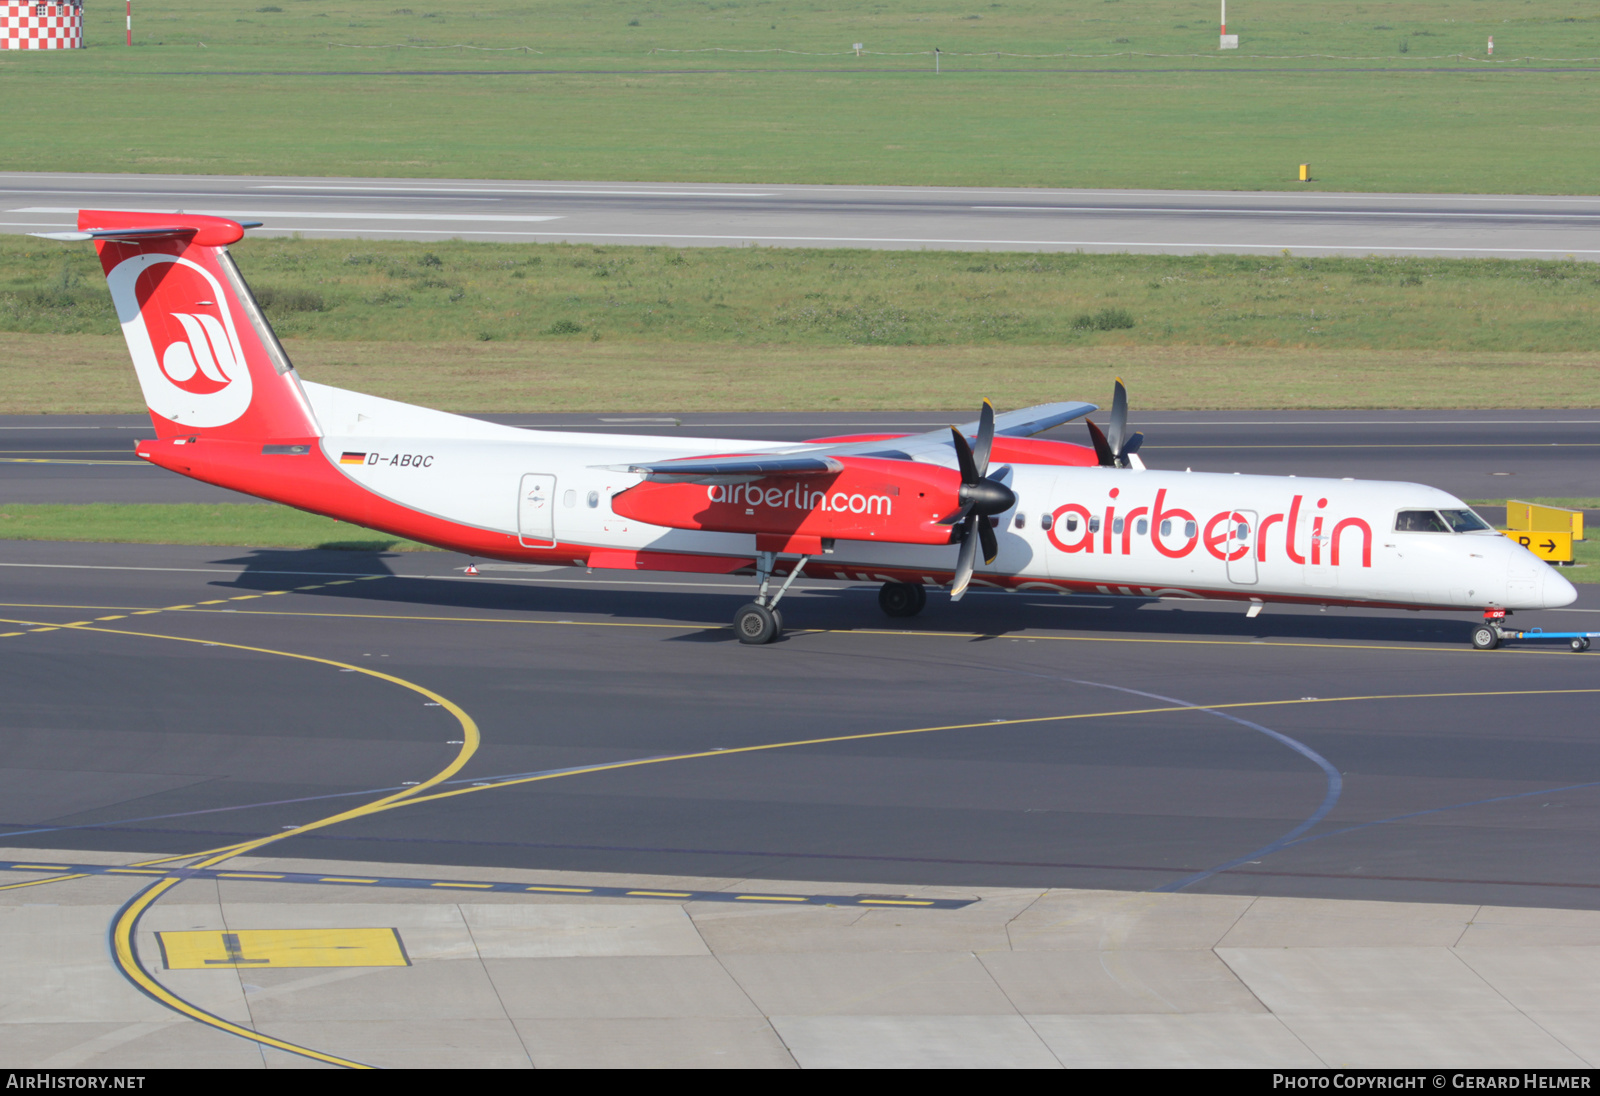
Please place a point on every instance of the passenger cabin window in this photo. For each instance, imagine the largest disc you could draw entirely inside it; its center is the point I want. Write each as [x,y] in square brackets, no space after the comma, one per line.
[1094,525]
[1141,527]
[1116,527]
[1046,520]
[570,499]
[1420,521]
[594,499]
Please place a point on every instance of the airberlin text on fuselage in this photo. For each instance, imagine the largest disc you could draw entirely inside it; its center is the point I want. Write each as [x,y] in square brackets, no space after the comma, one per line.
[1176,532]
[800,498]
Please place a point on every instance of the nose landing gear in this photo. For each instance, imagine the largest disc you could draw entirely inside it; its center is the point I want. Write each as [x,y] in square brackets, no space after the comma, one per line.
[760,622]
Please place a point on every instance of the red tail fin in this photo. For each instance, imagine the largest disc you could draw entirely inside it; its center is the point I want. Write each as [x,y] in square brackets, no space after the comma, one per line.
[206,357]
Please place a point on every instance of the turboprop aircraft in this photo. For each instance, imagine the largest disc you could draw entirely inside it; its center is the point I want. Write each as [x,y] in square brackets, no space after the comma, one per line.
[981,504]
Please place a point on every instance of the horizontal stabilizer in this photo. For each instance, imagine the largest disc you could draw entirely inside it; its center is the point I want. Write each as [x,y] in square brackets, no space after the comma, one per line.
[143,232]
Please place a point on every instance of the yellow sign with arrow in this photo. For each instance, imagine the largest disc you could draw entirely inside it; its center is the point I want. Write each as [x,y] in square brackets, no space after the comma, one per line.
[1552,547]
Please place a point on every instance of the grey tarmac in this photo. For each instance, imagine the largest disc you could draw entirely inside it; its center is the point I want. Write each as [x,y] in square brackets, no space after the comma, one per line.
[939,218]
[1473,454]
[1088,742]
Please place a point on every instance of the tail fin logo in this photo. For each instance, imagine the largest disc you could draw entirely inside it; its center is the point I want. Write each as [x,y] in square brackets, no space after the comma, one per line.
[176,317]
[206,362]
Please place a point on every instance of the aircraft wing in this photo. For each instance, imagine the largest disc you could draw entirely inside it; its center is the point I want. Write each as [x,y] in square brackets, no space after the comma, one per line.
[933,447]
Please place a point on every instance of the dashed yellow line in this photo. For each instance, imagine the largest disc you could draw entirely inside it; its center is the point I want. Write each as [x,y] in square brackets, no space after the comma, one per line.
[40,882]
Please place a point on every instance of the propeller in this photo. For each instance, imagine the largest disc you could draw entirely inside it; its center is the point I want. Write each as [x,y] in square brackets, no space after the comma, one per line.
[1115,448]
[980,498]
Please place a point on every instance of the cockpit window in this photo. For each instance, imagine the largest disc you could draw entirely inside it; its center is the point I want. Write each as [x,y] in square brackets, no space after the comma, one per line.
[1420,521]
[1464,521]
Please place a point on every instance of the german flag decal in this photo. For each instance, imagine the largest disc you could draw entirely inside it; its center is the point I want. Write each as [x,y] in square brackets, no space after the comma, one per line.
[353,458]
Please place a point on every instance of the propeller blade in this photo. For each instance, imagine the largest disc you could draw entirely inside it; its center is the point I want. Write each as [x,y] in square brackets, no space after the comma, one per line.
[959,516]
[1118,429]
[969,470]
[965,561]
[1132,445]
[1102,448]
[980,456]
[991,544]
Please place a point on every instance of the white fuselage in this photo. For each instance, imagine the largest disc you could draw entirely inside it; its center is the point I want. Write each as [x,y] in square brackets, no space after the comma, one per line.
[1151,533]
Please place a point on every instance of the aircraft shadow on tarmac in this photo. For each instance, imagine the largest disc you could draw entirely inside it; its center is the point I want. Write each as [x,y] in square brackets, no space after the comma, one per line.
[982,616]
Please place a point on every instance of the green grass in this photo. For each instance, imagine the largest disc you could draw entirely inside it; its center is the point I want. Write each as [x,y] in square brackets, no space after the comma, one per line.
[1147,100]
[405,292]
[1586,556]
[244,524]
[525,327]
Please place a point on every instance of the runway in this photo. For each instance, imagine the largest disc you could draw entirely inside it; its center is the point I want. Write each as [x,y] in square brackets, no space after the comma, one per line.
[943,218]
[1472,454]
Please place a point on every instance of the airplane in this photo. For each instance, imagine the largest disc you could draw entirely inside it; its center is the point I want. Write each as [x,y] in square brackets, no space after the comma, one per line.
[982,504]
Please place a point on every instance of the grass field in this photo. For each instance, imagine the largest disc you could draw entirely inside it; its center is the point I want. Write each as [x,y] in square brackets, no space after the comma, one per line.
[1376,96]
[554,327]
[223,524]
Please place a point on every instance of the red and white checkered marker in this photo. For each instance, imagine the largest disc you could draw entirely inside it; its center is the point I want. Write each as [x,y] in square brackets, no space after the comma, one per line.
[41,26]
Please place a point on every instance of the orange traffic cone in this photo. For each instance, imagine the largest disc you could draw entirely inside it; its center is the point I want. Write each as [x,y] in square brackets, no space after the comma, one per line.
[472,568]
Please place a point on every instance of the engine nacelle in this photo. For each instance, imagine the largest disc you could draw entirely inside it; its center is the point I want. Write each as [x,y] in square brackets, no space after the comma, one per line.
[895,501]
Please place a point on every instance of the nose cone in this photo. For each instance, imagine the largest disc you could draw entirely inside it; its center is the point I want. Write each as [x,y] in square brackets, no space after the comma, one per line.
[1556,591]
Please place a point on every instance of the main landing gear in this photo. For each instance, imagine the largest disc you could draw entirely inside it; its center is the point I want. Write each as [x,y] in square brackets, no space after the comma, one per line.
[760,621]
[902,599]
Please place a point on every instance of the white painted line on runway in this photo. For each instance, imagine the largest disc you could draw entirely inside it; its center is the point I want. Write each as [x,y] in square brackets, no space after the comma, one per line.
[1284,212]
[236,213]
[666,237]
[213,195]
[522,190]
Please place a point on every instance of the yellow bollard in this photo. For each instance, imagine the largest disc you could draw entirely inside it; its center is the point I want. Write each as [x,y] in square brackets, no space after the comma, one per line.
[1305,173]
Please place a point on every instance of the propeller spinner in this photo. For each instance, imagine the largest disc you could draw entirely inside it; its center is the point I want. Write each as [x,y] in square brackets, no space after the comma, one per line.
[980,498]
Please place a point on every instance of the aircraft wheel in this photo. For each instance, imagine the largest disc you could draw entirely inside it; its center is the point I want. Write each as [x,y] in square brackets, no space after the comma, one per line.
[1580,644]
[1485,637]
[756,624]
[902,599]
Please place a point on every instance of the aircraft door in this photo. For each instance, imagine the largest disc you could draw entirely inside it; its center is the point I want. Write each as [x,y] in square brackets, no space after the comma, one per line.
[536,511]
[1241,542]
